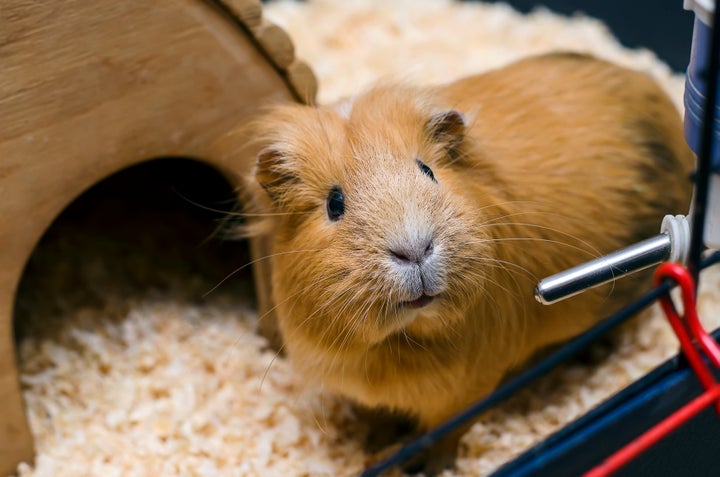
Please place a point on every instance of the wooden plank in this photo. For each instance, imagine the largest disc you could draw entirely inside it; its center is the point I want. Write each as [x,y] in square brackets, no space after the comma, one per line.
[303,81]
[249,12]
[276,43]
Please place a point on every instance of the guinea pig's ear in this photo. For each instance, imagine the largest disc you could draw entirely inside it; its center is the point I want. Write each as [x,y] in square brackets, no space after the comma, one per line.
[446,127]
[272,171]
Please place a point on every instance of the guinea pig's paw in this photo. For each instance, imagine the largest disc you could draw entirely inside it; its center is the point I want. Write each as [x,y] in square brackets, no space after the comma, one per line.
[431,462]
[385,429]
[374,458]
[428,463]
[437,458]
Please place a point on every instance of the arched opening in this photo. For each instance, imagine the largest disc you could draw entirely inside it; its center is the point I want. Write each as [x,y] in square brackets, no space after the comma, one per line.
[154,229]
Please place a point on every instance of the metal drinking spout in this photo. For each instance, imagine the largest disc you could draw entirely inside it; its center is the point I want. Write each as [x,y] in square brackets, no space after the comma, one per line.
[671,244]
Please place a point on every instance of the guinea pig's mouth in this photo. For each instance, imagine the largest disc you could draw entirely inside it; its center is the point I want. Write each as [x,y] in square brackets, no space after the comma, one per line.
[424,300]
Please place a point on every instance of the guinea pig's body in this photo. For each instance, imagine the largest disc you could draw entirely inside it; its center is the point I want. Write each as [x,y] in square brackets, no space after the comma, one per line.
[408,238]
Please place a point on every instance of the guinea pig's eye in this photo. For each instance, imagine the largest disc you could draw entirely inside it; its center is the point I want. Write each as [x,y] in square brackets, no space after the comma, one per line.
[426,170]
[335,204]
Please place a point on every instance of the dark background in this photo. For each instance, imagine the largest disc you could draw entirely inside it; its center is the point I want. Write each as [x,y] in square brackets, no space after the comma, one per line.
[660,25]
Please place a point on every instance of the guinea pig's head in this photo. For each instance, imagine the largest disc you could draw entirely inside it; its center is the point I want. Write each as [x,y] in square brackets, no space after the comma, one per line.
[373,232]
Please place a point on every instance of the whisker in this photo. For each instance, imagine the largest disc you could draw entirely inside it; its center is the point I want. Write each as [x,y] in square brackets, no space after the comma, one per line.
[272,361]
[549,229]
[595,253]
[253,262]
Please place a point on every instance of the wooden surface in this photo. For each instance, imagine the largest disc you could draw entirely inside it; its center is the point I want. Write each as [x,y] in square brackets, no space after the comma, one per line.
[90,88]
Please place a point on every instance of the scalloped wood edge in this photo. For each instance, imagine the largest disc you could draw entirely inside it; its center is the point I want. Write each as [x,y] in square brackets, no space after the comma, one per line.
[278,46]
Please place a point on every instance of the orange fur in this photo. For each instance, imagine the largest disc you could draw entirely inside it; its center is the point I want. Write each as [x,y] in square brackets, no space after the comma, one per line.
[563,158]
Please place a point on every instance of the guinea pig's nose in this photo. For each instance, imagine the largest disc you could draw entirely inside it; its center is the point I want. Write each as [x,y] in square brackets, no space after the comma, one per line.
[412,253]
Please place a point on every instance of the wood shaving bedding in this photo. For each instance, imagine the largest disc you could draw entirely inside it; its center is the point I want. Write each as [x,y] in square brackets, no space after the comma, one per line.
[126,379]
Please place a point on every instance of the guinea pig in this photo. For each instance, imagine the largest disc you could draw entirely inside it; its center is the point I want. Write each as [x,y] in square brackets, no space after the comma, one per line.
[409,225]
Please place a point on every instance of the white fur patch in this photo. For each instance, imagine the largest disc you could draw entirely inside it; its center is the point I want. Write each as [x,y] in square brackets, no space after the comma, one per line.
[344,107]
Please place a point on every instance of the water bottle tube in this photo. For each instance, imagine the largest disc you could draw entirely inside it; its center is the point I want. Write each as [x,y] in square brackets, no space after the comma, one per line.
[672,244]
